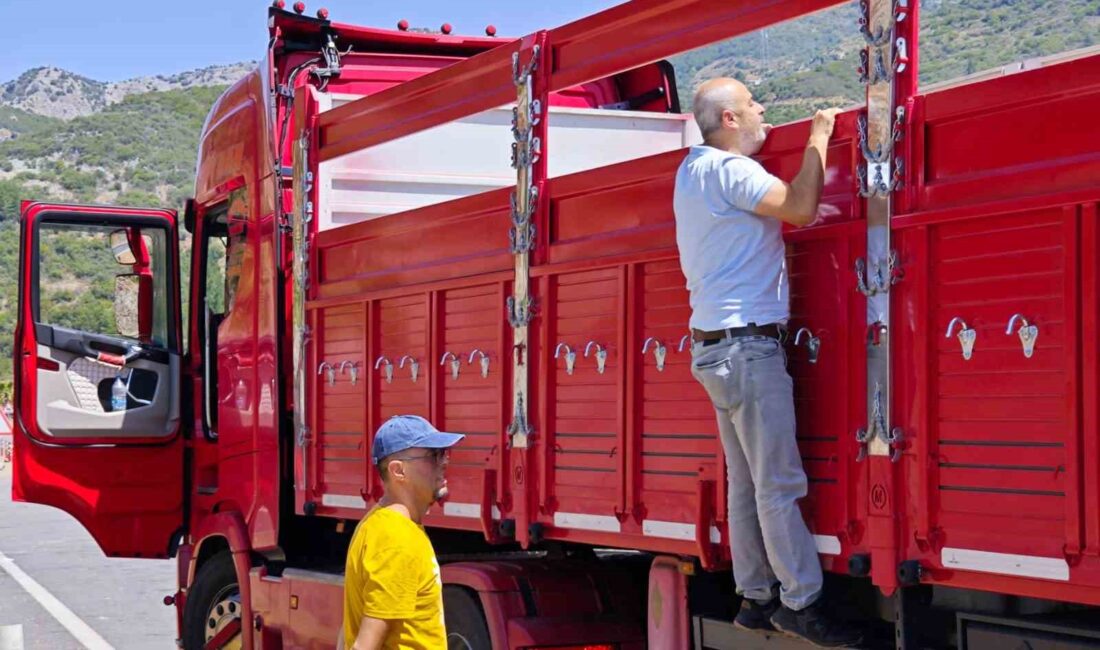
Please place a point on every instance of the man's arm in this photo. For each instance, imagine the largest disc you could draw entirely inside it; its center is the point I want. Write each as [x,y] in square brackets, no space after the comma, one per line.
[796,202]
[372,632]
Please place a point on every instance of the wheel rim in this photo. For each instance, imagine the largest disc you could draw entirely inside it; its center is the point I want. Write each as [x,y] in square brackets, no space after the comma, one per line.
[225,608]
[456,641]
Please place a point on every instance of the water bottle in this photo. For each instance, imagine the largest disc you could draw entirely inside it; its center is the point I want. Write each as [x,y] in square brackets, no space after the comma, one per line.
[118,394]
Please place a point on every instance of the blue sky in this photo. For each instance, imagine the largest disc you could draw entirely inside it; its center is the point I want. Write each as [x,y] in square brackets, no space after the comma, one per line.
[112,40]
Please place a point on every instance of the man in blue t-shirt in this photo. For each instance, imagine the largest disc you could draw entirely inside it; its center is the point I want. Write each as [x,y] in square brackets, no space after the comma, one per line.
[729,214]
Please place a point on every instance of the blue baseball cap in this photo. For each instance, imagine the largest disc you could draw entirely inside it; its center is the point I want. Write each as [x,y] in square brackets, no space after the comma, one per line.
[403,432]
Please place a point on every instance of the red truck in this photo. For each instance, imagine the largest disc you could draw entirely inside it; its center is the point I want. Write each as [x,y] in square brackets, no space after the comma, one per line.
[479,231]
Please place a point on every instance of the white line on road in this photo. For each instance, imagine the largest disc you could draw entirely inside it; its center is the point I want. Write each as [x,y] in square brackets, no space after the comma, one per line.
[78,628]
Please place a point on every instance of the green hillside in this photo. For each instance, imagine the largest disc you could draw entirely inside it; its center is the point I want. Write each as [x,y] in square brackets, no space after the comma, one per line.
[810,63]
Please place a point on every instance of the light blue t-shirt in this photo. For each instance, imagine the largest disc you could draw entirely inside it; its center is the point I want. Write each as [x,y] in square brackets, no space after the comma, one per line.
[733,259]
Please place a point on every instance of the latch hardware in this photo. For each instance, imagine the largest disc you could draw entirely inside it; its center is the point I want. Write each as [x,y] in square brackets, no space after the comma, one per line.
[659,351]
[966,336]
[456,363]
[1028,333]
[570,357]
[389,368]
[813,343]
[601,355]
[484,362]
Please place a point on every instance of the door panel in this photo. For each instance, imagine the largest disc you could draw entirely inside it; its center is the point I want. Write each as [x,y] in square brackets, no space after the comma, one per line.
[470,329]
[819,266]
[677,445]
[585,469]
[119,471]
[340,388]
[1004,426]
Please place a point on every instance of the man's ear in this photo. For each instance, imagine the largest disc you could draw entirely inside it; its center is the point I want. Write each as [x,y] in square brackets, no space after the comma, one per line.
[729,118]
[396,469]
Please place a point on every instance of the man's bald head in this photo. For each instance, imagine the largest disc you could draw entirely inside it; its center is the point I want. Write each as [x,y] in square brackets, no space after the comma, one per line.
[728,117]
[713,97]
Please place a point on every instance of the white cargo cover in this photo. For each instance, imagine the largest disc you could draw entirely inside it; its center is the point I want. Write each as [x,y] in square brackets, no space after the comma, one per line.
[473,155]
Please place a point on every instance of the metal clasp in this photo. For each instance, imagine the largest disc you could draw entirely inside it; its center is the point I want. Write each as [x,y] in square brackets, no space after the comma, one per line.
[813,343]
[456,363]
[967,336]
[601,356]
[520,74]
[659,351]
[894,439]
[880,37]
[344,365]
[414,366]
[389,368]
[484,362]
[329,371]
[1028,333]
[863,438]
[570,357]
[683,340]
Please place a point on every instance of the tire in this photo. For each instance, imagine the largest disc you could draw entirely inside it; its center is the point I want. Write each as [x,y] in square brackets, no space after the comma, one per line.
[215,584]
[466,626]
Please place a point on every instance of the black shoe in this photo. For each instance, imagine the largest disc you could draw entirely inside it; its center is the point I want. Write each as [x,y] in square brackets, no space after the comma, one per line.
[756,617]
[814,625]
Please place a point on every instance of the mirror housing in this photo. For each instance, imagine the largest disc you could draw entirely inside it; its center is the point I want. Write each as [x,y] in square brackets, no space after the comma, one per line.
[120,247]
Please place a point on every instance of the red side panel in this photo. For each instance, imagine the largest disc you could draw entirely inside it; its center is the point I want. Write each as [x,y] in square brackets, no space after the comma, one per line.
[1004,472]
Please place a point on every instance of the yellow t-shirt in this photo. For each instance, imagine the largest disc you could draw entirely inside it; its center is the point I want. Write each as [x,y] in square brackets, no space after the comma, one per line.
[392,574]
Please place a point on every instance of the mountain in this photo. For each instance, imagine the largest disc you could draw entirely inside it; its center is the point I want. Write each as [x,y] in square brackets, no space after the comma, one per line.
[53,92]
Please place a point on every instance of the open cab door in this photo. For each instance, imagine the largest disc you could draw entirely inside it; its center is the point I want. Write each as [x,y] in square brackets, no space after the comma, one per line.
[97,373]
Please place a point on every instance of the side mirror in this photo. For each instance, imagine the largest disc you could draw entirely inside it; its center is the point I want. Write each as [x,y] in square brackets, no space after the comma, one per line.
[120,247]
[134,306]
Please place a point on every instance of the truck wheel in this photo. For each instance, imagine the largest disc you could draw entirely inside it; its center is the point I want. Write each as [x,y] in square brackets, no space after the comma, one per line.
[466,626]
[213,604]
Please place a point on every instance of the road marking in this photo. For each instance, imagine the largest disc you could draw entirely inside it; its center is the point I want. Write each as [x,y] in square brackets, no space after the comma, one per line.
[76,627]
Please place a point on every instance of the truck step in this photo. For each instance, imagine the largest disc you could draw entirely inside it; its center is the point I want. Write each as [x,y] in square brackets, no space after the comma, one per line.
[720,634]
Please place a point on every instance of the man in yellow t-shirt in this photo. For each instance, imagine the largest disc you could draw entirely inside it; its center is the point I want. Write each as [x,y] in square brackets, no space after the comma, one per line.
[393,595]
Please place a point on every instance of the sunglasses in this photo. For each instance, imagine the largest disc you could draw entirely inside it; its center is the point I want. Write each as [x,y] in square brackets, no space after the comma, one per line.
[437,456]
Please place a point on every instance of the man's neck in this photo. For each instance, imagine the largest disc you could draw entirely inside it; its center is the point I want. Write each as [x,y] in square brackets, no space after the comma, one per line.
[724,145]
[402,505]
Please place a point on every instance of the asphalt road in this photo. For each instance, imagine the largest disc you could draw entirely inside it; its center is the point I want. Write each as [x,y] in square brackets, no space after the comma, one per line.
[105,602]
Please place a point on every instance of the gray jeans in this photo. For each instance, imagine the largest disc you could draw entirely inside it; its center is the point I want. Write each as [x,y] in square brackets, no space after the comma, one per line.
[747,381]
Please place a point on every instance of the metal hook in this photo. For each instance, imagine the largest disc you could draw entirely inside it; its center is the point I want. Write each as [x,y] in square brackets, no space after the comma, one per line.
[570,357]
[951,326]
[1028,333]
[813,343]
[1012,323]
[456,364]
[659,351]
[354,370]
[414,366]
[329,371]
[601,356]
[683,339]
[389,368]
[484,362]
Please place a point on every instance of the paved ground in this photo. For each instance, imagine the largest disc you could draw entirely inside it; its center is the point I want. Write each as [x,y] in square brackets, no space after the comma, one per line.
[113,602]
